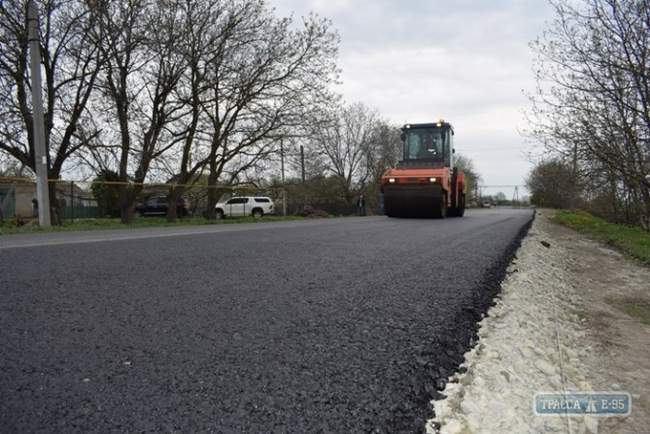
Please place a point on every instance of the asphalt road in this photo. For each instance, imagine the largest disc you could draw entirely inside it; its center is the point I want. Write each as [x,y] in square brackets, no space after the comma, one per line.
[341,325]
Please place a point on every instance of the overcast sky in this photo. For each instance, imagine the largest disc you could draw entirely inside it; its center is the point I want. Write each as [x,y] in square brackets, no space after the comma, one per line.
[465,61]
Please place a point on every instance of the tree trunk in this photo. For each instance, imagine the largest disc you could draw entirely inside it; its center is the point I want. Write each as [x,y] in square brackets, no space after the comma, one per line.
[172,203]
[56,212]
[645,209]
[127,203]
[126,213]
[210,212]
[213,194]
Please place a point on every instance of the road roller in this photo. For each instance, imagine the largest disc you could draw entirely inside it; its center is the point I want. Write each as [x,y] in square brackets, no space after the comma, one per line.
[425,183]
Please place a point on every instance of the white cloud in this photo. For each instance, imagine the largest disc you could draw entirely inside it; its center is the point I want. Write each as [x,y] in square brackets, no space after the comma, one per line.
[467,61]
[329,7]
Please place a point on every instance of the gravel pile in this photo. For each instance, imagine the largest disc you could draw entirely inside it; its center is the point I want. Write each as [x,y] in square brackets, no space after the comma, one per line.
[532,341]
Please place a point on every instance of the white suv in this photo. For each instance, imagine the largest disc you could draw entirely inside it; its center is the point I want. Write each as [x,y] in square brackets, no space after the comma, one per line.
[239,206]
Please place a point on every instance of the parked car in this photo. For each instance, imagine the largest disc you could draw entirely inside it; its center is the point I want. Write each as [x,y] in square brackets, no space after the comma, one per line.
[158,206]
[256,206]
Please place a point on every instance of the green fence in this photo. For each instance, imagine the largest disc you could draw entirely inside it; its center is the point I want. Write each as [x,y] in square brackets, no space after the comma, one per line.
[80,212]
[7,201]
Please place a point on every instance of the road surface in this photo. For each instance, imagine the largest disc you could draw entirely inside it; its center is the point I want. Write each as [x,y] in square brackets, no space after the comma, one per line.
[336,325]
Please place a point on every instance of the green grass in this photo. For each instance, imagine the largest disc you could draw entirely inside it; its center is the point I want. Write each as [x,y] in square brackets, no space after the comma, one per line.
[9,227]
[635,308]
[631,240]
[638,310]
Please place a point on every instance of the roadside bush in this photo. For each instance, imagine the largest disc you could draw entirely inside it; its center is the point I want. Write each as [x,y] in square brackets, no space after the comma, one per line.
[552,184]
[107,195]
[311,212]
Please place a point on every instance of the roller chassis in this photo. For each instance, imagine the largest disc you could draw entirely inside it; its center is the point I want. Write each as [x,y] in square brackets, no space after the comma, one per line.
[425,187]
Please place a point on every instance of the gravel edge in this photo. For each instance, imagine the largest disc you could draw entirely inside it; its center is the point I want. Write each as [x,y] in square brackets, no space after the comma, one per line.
[448,351]
[532,340]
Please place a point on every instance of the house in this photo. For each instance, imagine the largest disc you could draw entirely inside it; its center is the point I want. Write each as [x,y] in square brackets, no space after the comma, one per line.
[17,197]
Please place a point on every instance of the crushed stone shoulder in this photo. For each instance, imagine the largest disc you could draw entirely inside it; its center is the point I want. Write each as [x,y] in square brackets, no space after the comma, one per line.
[536,338]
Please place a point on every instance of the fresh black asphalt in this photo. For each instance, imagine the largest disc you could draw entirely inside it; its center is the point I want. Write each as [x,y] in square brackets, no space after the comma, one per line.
[332,326]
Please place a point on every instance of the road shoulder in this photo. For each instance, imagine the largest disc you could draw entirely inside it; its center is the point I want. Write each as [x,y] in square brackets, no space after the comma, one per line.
[39,239]
[561,323]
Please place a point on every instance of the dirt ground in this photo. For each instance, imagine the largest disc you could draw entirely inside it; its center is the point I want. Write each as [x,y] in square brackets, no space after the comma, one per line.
[573,316]
[610,284]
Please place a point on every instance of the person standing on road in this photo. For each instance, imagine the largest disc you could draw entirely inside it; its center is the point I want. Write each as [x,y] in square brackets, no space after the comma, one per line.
[361,206]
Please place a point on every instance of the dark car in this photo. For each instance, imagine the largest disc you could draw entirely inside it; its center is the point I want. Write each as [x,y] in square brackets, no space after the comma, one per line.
[158,206]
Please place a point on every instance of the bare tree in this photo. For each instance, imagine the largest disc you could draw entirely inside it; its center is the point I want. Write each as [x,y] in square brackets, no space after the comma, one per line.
[71,62]
[548,184]
[592,105]
[472,176]
[143,68]
[384,151]
[199,23]
[172,86]
[345,144]
[265,79]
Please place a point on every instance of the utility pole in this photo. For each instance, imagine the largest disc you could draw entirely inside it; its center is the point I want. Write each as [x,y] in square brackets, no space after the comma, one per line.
[284,190]
[40,158]
[515,197]
[302,163]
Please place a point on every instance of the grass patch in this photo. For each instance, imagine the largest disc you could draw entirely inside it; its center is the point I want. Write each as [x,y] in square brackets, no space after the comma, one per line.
[8,227]
[629,239]
[639,309]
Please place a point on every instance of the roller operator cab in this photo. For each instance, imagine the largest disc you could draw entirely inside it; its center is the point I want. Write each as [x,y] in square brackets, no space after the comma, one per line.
[425,183]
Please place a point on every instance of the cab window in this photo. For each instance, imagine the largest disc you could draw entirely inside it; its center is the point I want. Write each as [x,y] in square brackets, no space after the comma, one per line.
[426,144]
